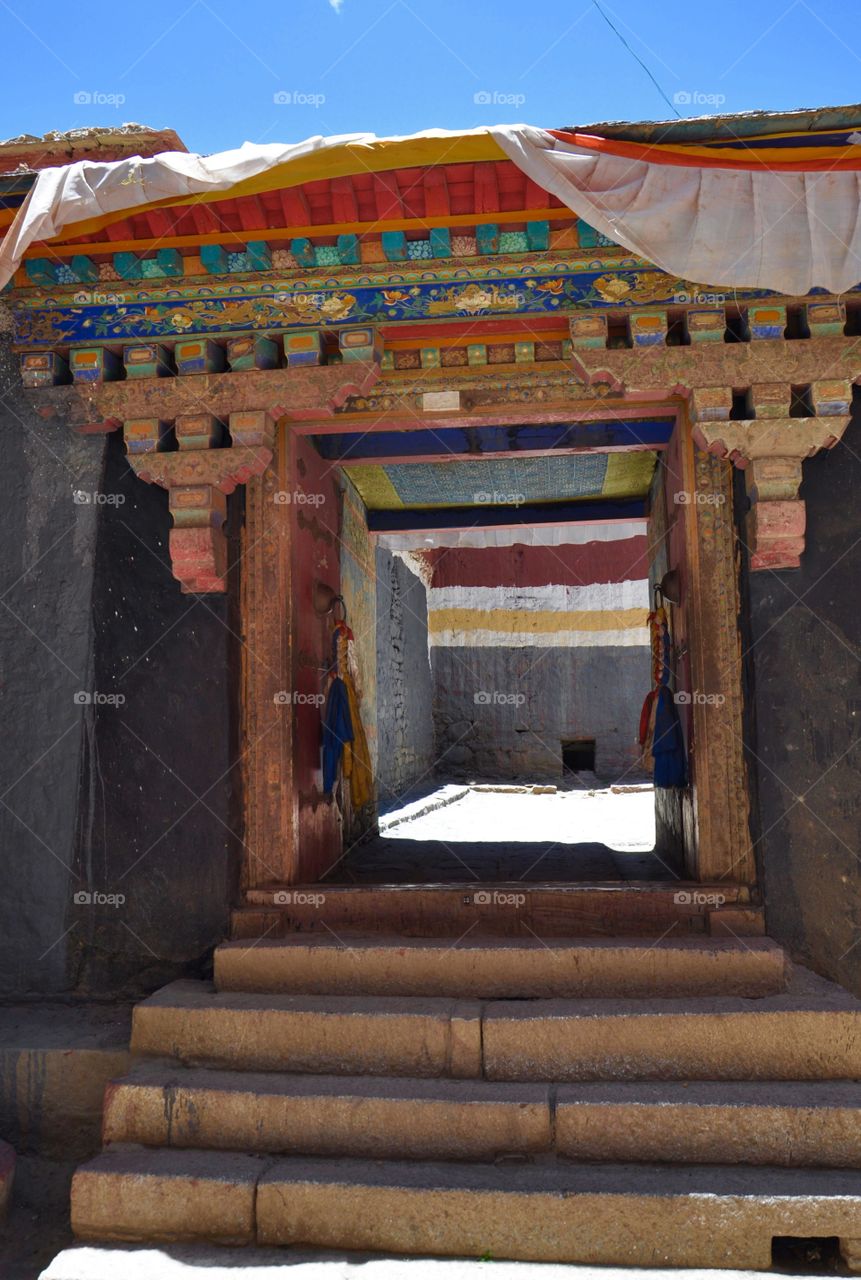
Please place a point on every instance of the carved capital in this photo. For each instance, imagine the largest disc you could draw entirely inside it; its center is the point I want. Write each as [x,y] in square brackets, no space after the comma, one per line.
[198,547]
[770,452]
[749,438]
[222,469]
[198,481]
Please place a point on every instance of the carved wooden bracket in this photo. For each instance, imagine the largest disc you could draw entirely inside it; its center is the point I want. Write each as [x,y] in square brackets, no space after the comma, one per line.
[770,452]
[174,429]
[198,479]
[770,380]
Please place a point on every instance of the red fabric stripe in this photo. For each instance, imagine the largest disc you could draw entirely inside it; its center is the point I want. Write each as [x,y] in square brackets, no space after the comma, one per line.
[655,154]
[521,566]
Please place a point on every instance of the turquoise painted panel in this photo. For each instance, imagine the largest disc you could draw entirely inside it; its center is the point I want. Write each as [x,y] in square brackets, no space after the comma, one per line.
[214,259]
[394,246]
[84,269]
[348,250]
[440,242]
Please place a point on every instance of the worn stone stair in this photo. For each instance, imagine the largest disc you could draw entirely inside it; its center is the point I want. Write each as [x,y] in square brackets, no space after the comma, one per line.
[675,1102]
[484,968]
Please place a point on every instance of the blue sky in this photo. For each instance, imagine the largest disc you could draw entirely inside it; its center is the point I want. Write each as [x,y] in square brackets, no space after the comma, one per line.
[221,72]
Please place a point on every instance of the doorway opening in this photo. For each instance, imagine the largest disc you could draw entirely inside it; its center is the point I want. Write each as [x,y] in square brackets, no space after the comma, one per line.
[511,655]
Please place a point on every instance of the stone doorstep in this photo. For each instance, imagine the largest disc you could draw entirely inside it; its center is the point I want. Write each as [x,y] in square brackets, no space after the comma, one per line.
[813,1031]
[793,1124]
[608,909]
[480,968]
[628,1215]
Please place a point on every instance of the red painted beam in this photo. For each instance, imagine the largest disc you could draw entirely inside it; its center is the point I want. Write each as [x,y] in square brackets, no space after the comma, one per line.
[486,188]
[389,203]
[437,202]
[345,207]
[296,210]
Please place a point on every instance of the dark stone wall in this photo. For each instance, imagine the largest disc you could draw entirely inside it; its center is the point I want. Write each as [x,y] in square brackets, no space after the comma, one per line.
[156,818]
[116,792]
[47,556]
[503,713]
[404,687]
[804,708]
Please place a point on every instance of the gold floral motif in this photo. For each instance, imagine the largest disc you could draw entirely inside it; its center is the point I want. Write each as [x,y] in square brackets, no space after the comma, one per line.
[638,286]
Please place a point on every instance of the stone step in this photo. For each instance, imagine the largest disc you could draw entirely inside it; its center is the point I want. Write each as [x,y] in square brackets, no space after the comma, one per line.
[801,1124]
[814,1123]
[336,1035]
[493,968]
[166,1195]
[645,908]
[376,1117]
[811,1032]
[632,1215]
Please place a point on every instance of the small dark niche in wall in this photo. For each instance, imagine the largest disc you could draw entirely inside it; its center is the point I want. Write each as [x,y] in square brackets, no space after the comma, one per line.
[578,755]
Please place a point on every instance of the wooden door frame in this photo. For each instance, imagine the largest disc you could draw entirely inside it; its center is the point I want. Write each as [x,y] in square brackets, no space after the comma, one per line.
[718,844]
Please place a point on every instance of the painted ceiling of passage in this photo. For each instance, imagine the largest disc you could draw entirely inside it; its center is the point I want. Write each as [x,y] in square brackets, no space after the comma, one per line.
[501,481]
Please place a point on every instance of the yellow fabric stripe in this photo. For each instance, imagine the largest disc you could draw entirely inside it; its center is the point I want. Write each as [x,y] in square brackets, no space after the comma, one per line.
[332,162]
[540,620]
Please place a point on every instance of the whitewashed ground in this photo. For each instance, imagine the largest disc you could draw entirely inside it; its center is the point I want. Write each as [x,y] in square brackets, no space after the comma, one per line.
[176,1262]
[623,821]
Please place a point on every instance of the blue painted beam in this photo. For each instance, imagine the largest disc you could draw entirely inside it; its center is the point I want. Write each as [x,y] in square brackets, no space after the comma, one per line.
[488,441]
[407,521]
